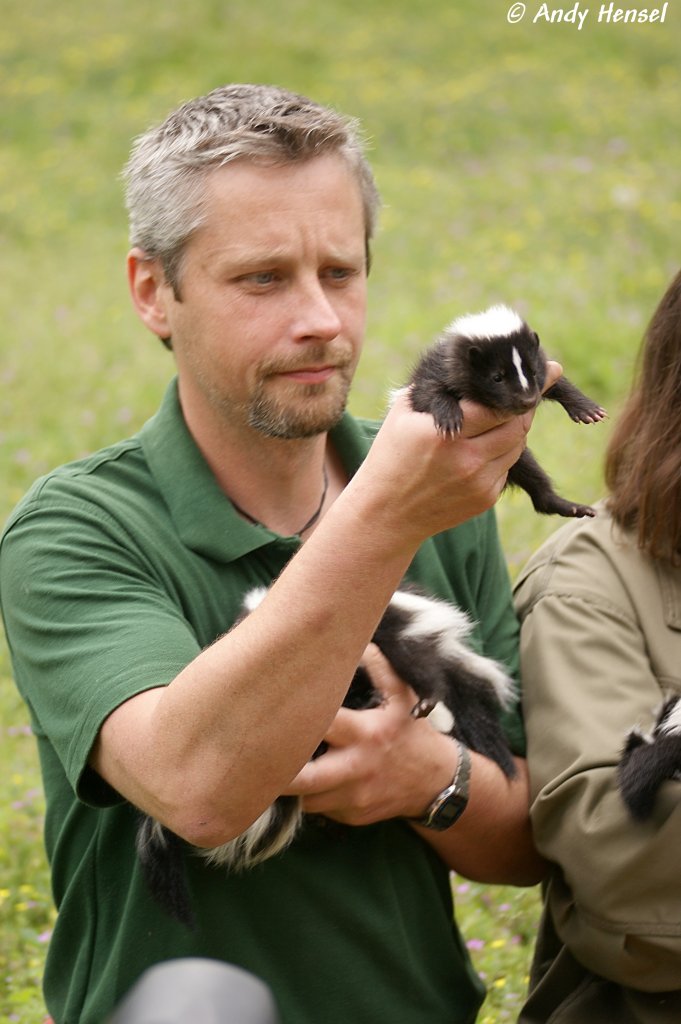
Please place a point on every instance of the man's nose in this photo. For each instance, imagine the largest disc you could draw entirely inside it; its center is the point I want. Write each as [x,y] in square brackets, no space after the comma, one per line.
[314,313]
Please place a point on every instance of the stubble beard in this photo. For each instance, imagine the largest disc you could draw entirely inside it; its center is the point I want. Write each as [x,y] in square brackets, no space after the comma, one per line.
[315,410]
[285,410]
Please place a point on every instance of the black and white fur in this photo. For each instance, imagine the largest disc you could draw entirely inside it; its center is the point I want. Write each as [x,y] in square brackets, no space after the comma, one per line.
[649,759]
[495,359]
[463,693]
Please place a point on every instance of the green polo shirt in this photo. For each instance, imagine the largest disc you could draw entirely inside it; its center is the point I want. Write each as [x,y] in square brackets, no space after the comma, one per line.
[115,571]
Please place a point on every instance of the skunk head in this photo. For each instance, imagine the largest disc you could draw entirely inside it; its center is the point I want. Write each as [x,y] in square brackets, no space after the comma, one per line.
[500,358]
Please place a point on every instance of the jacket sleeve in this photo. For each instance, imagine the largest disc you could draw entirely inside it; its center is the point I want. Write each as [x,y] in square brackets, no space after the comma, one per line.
[615,891]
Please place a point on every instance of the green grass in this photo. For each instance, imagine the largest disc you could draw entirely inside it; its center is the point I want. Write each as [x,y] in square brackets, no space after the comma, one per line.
[531,163]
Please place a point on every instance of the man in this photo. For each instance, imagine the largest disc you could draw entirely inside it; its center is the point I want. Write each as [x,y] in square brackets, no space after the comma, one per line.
[251,215]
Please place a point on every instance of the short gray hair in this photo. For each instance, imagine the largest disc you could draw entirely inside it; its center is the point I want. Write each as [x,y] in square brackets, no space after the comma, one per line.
[166,172]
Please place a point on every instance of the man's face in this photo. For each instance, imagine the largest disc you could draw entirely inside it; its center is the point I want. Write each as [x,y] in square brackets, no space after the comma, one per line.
[270,322]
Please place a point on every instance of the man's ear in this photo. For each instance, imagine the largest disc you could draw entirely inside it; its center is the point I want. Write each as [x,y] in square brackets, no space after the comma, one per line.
[149,291]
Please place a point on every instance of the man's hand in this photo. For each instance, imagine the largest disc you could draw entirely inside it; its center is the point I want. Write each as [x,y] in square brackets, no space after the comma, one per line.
[382,762]
[419,483]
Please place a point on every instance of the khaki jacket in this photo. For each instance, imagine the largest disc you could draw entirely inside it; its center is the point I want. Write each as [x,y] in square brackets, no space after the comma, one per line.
[600,649]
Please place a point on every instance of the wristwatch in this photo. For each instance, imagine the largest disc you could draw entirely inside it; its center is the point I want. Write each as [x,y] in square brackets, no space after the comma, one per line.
[449,805]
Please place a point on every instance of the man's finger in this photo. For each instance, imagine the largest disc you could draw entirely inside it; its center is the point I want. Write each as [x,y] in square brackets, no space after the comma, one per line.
[553,372]
[385,679]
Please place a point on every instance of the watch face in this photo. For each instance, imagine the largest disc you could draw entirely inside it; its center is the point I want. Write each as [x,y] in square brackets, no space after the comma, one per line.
[449,811]
[450,804]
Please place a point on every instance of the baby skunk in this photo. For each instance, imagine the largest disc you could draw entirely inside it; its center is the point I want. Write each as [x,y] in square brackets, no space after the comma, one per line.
[649,760]
[495,359]
[425,641]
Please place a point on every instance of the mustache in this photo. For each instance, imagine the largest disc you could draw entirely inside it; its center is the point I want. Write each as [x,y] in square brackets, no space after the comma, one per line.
[331,354]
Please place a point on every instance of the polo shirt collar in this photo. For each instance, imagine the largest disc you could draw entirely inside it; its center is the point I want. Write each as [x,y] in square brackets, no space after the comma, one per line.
[203,515]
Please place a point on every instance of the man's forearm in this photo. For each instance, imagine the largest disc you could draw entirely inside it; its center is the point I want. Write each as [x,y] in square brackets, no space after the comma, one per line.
[492,840]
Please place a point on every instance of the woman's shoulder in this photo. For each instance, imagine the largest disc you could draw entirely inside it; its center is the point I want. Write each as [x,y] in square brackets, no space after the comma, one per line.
[591,557]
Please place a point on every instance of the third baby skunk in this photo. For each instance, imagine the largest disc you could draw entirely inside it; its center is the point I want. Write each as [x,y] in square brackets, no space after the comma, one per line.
[649,760]
[426,642]
[495,359]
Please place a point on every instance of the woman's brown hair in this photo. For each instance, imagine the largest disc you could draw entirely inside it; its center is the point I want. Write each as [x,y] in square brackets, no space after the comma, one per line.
[643,459]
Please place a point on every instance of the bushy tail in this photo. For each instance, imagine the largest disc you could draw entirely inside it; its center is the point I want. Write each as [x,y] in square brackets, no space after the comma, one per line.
[161,857]
[271,833]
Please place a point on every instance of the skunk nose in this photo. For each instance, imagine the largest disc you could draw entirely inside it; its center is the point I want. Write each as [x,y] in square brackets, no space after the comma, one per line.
[528,402]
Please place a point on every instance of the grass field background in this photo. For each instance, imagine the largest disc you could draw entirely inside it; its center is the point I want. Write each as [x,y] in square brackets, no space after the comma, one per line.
[531,163]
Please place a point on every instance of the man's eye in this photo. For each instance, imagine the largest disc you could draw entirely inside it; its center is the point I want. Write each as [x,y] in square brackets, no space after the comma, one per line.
[262,277]
[339,273]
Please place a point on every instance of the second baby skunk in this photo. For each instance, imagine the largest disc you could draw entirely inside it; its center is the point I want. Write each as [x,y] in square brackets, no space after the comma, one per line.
[426,641]
[649,760]
[494,358]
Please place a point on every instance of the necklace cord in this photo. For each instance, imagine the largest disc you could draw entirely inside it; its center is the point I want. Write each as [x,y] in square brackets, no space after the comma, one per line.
[311,521]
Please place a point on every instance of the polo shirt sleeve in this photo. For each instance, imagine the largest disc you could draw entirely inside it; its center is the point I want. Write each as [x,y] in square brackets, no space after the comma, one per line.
[89,624]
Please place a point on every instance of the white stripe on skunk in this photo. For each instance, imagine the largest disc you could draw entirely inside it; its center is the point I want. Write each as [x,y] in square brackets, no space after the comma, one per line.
[490,323]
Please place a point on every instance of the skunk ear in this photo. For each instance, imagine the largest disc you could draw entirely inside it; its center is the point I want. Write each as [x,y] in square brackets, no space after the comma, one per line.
[536,338]
[475,355]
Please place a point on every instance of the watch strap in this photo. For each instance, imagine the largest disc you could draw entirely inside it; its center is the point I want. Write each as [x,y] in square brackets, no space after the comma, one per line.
[449,805]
